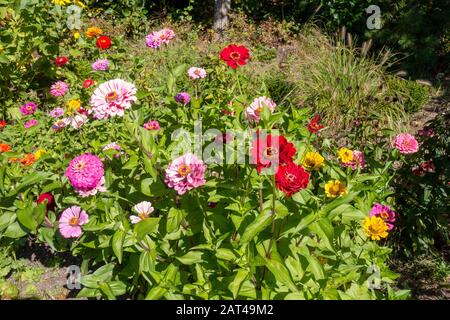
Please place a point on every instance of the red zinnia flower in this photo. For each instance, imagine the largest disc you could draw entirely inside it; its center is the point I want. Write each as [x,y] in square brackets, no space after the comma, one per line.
[4,147]
[272,151]
[235,55]
[291,178]
[88,83]
[60,61]
[2,124]
[103,42]
[314,126]
[49,197]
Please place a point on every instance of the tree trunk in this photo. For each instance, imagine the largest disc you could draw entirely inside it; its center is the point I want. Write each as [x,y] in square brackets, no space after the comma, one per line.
[221,15]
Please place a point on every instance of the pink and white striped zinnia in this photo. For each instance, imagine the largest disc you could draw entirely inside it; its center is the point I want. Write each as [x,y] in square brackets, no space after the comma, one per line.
[112,98]
[185,173]
[143,210]
[71,221]
[253,112]
[196,73]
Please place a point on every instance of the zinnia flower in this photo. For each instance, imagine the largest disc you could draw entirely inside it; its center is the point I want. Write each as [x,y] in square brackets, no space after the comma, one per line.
[39,153]
[253,112]
[291,178]
[88,83]
[235,55]
[77,121]
[314,126]
[406,143]
[2,124]
[60,124]
[196,73]
[28,108]
[357,160]
[385,213]
[59,89]
[152,125]
[85,172]
[271,151]
[71,221]
[101,65]
[345,155]
[143,210]
[428,166]
[57,112]
[185,173]
[335,188]
[60,61]
[61,2]
[157,38]
[375,228]
[183,98]
[112,98]
[28,160]
[93,32]
[4,147]
[313,161]
[30,123]
[50,204]
[103,42]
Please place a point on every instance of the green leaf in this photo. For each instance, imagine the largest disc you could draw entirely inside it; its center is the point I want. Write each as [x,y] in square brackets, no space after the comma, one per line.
[145,227]
[15,231]
[174,219]
[117,244]
[235,285]
[191,258]
[261,222]
[25,217]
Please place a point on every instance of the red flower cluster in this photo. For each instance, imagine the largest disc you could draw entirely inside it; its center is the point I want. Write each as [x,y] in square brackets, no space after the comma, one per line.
[60,61]
[49,198]
[314,126]
[291,178]
[235,55]
[88,83]
[277,152]
[272,151]
[103,42]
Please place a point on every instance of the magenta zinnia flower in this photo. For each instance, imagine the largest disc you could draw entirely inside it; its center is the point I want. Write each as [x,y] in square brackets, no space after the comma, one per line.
[385,213]
[85,172]
[152,125]
[185,173]
[112,98]
[101,65]
[253,112]
[28,108]
[71,221]
[183,98]
[357,161]
[406,143]
[59,88]
[30,123]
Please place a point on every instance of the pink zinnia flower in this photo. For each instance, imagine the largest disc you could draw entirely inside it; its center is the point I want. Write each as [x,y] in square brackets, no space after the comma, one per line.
[406,143]
[357,161]
[157,38]
[385,213]
[85,172]
[152,125]
[143,210]
[77,121]
[100,187]
[28,108]
[101,65]
[253,112]
[57,112]
[196,73]
[112,98]
[185,173]
[60,124]
[71,221]
[166,34]
[59,89]
[183,98]
[30,123]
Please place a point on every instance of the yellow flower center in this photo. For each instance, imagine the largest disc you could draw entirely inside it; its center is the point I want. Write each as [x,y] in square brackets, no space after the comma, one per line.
[270,152]
[384,215]
[112,96]
[184,170]
[79,166]
[73,221]
[235,55]
[143,216]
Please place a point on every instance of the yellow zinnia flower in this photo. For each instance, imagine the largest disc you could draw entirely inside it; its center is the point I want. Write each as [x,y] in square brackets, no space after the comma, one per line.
[39,153]
[375,228]
[61,2]
[335,188]
[73,105]
[313,160]
[93,32]
[345,155]
[76,35]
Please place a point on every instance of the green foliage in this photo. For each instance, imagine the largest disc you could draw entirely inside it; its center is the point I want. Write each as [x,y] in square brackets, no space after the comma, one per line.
[412,95]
